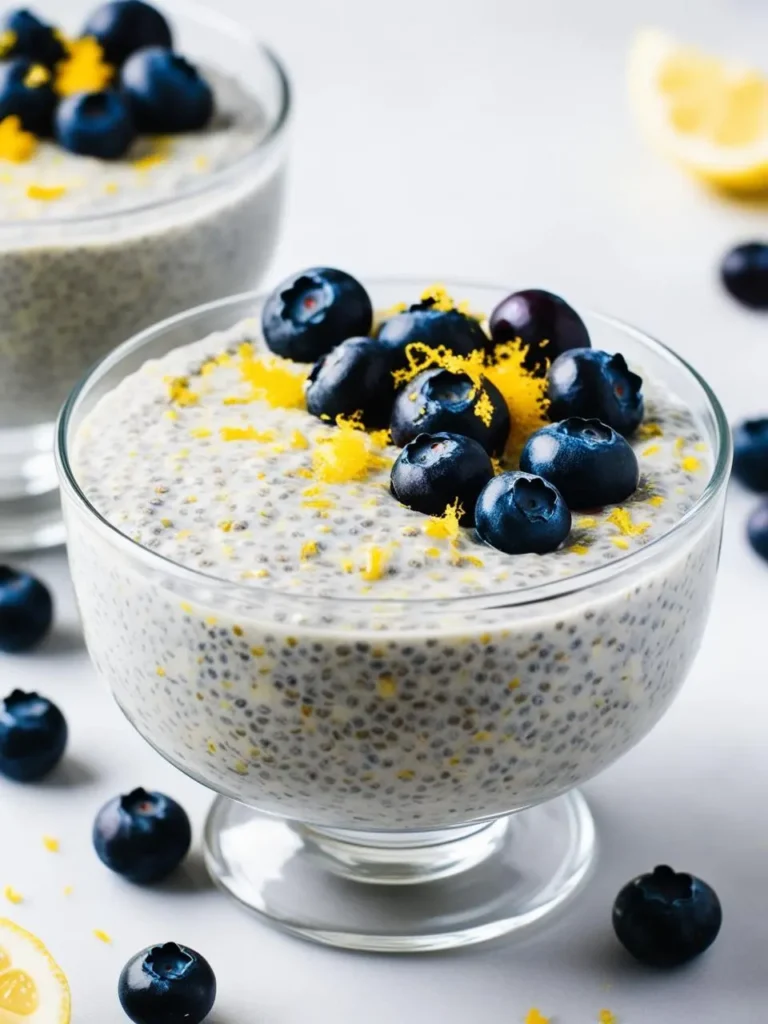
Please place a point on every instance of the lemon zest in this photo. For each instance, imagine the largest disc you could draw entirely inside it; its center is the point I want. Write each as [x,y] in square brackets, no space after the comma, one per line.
[46,193]
[200,432]
[586,523]
[535,1016]
[446,526]
[579,549]
[376,559]
[247,434]
[298,440]
[8,40]
[271,379]
[83,69]
[51,843]
[621,518]
[12,895]
[16,145]
[657,501]
[37,75]
[652,449]
[102,936]
[308,550]
[386,687]
[691,464]
[648,430]
[524,393]
[180,393]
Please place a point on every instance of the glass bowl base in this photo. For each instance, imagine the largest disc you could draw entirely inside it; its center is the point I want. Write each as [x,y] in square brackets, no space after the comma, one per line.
[402,892]
[30,507]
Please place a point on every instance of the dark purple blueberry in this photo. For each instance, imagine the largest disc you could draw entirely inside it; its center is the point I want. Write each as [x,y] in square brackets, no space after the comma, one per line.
[435,470]
[142,836]
[744,273]
[98,124]
[26,92]
[23,34]
[26,610]
[438,401]
[313,311]
[167,984]
[545,324]
[665,919]
[124,26]
[588,462]
[33,736]
[519,513]
[355,376]
[595,385]
[750,454]
[167,93]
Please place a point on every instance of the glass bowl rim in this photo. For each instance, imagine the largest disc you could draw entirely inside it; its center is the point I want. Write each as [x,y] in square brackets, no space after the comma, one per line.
[250,593]
[204,15]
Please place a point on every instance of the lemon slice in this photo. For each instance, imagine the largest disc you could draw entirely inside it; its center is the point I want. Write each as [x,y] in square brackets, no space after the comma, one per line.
[33,988]
[709,115]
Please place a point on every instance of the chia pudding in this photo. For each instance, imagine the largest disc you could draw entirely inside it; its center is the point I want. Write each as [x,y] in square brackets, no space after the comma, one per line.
[93,250]
[337,658]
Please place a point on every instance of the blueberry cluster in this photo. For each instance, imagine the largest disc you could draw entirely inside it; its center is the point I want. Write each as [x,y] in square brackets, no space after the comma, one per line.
[750,467]
[451,421]
[150,88]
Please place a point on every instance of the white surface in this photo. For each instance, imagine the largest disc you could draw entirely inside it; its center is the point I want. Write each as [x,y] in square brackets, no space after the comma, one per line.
[490,140]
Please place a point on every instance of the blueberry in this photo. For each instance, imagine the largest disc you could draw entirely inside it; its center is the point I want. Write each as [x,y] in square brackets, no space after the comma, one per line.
[665,919]
[167,94]
[22,34]
[167,984]
[545,323]
[26,92]
[587,461]
[313,311]
[757,530]
[96,124]
[433,327]
[125,26]
[596,385]
[354,376]
[520,513]
[33,735]
[438,400]
[750,454]
[435,470]
[26,610]
[744,273]
[142,836]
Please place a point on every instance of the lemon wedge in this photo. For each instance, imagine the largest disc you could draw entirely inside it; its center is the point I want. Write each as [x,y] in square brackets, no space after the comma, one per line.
[707,114]
[33,988]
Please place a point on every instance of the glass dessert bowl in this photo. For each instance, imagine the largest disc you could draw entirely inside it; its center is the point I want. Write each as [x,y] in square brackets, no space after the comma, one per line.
[365,734]
[93,250]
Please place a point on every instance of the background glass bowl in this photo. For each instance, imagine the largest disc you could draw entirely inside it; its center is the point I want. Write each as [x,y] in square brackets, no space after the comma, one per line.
[73,287]
[455,771]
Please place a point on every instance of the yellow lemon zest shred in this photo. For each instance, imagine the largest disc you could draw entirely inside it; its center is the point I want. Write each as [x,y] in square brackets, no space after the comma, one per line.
[621,518]
[16,145]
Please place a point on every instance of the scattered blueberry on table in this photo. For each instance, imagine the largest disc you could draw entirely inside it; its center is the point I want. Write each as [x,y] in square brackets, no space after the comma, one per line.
[355,376]
[520,513]
[545,323]
[666,918]
[438,400]
[98,124]
[124,26]
[142,836]
[437,470]
[757,530]
[33,736]
[591,383]
[311,312]
[26,610]
[744,273]
[588,462]
[167,984]
[166,92]
[750,454]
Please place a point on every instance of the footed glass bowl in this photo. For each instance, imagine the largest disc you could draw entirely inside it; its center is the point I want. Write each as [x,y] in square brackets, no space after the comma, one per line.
[396,775]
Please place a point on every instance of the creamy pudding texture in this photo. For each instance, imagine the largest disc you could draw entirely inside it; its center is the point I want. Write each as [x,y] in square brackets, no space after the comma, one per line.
[362,672]
[73,288]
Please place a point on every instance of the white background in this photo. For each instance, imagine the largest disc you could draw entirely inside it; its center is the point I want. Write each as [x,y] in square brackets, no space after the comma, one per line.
[489,140]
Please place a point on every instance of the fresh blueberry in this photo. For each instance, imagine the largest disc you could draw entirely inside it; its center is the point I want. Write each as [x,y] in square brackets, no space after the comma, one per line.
[313,311]
[545,324]
[142,836]
[124,26]
[750,454]
[354,376]
[440,401]
[587,461]
[757,530]
[96,124]
[33,735]
[26,92]
[665,919]
[22,34]
[26,610]
[520,513]
[744,273]
[167,94]
[435,470]
[433,327]
[595,385]
[167,984]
